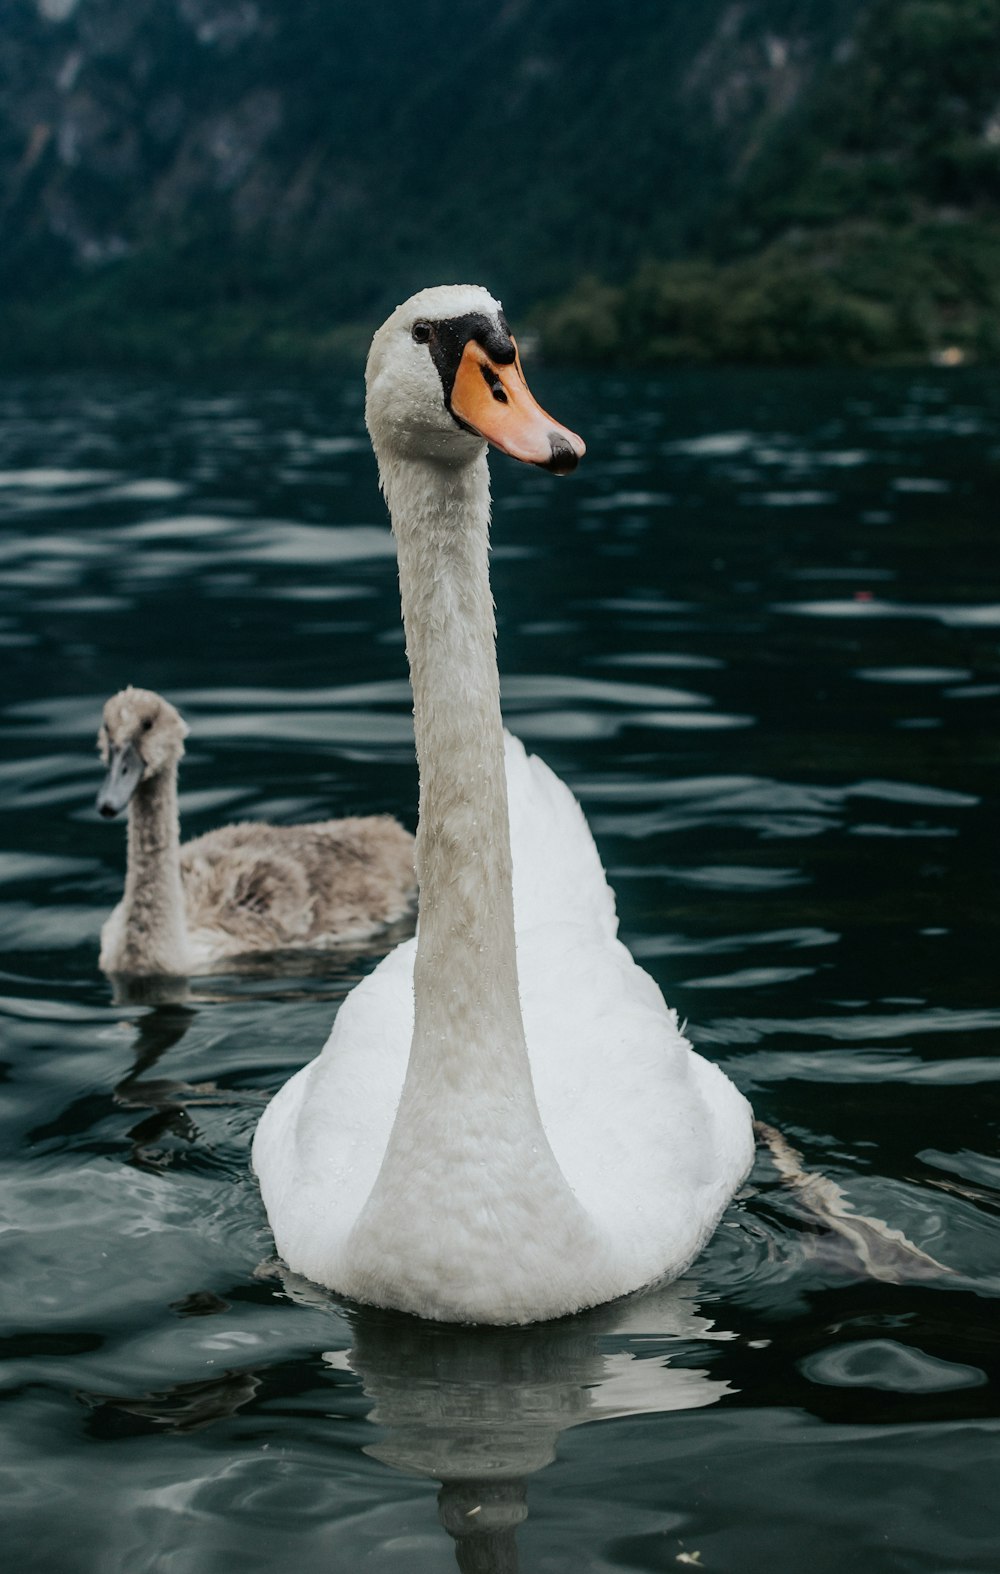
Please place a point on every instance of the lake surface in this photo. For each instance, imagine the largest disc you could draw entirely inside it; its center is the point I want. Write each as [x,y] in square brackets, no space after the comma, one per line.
[759,634]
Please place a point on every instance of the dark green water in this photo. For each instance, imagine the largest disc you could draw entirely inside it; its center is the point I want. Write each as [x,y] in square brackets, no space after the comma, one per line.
[759,635]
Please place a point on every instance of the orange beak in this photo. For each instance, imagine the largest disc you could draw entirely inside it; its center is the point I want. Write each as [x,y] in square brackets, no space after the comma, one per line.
[495,402]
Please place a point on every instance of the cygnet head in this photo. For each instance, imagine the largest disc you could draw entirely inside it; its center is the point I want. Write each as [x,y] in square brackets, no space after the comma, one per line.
[140,736]
[444,378]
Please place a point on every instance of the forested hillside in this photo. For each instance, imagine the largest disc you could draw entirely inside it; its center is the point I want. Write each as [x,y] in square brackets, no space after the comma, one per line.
[773,179]
[865,227]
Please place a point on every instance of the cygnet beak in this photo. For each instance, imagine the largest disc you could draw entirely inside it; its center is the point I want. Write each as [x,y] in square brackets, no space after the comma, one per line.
[125,768]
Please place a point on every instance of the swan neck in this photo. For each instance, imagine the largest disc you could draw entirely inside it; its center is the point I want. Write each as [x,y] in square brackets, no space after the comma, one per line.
[465,980]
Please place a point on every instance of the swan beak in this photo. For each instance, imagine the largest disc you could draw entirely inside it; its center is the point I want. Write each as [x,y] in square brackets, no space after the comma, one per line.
[125,768]
[495,401]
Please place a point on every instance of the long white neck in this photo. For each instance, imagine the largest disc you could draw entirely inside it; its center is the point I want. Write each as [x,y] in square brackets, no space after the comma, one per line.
[468,1171]
[465,979]
[154,935]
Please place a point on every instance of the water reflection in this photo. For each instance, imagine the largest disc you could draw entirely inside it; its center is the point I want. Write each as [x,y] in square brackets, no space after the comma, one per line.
[481,1409]
[158,1031]
[187,1407]
[882,1251]
[171,1007]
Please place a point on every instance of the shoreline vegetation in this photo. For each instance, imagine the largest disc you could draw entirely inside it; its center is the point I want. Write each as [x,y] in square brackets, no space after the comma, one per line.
[856,295]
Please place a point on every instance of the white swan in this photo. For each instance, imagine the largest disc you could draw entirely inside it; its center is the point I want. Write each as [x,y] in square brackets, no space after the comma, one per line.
[490,1135]
[241,890]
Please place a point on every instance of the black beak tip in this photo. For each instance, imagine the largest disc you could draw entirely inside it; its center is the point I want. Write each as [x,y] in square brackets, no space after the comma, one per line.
[564,458]
[106,810]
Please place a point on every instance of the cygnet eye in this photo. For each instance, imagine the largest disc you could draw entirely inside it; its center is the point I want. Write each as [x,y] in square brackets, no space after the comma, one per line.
[421,331]
[147,723]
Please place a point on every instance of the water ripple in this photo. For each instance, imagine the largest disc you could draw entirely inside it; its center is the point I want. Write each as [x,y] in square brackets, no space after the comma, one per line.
[823,1066]
[859,1025]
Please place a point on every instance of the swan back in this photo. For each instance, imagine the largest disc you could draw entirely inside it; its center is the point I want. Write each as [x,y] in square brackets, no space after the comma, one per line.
[558,875]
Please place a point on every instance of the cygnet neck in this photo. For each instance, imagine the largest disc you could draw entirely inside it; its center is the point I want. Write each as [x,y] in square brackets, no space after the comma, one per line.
[154,919]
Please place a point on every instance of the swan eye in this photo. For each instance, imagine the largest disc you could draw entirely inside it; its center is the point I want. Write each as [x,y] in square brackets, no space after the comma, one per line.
[421,331]
[147,723]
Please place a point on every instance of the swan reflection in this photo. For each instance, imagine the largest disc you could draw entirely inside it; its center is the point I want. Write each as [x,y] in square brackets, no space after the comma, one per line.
[481,1409]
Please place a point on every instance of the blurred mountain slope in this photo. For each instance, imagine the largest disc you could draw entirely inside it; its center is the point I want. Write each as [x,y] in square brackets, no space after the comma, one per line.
[865,226]
[189,178]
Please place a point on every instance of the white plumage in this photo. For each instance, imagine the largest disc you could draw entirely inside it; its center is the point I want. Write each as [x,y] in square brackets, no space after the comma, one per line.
[537,1136]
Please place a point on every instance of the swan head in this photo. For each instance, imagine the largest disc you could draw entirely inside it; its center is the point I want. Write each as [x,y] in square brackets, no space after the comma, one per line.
[140,736]
[444,378]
